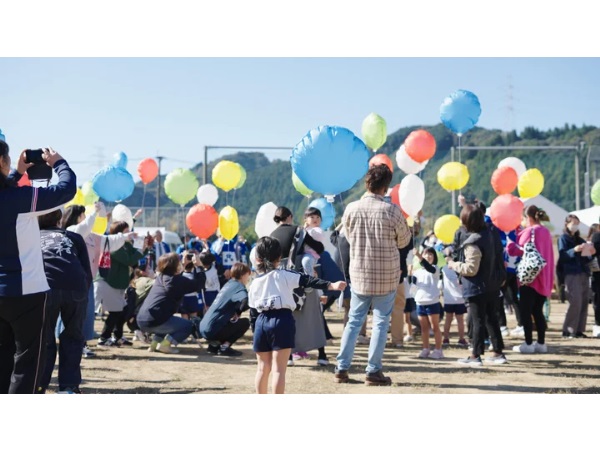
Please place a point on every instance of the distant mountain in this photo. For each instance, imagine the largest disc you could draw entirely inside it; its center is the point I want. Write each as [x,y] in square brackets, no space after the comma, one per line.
[271,180]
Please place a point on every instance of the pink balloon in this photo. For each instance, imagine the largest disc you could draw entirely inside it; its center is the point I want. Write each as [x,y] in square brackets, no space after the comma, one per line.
[506,212]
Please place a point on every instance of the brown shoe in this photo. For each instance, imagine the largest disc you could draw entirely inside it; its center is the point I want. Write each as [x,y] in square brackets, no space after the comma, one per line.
[377,379]
[341,376]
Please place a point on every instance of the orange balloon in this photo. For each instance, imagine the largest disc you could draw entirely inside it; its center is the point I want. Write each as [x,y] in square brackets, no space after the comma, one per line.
[202,220]
[395,196]
[420,146]
[24,181]
[506,212]
[381,159]
[147,170]
[505,180]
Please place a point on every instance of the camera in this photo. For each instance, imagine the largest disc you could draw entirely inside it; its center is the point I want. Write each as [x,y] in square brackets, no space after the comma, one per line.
[34,156]
[40,170]
[189,257]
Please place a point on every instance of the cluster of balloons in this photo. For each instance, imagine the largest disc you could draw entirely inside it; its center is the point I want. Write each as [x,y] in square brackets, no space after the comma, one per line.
[202,219]
[228,175]
[412,157]
[506,210]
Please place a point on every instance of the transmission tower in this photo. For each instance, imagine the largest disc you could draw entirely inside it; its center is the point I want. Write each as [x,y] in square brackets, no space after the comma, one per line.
[510,109]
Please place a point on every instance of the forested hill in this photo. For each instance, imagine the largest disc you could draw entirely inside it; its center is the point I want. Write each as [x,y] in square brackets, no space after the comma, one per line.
[271,180]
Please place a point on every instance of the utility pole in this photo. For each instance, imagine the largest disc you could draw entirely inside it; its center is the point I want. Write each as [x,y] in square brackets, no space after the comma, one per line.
[159,159]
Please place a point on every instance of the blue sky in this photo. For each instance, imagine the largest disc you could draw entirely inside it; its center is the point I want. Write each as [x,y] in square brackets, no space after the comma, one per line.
[175,106]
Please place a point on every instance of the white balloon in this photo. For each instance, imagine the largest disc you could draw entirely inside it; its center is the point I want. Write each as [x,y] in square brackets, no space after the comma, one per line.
[253,258]
[515,163]
[264,224]
[412,194]
[406,164]
[207,194]
[122,213]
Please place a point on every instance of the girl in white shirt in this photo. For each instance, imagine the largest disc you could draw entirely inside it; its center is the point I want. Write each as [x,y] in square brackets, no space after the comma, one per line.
[271,295]
[427,298]
[212,286]
[454,304]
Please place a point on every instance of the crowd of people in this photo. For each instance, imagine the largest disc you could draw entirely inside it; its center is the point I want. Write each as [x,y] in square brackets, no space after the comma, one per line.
[57,276]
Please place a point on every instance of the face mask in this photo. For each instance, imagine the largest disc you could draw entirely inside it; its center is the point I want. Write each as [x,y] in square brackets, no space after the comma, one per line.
[573,228]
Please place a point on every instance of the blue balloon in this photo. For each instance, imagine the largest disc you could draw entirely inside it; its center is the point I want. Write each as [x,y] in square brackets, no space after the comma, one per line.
[120,160]
[327,212]
[460,111]
[330,160]
[113,184]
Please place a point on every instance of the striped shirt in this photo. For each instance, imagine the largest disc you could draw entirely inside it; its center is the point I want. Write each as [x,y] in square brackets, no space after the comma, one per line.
[375,230]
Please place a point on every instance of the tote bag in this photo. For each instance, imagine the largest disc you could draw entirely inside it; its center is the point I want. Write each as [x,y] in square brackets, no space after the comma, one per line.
[531,264]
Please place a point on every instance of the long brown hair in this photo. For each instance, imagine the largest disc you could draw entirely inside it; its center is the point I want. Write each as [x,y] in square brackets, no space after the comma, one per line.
[168,264]
[595,228]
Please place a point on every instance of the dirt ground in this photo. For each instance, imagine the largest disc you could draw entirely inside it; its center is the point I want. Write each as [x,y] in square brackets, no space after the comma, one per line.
[571,366]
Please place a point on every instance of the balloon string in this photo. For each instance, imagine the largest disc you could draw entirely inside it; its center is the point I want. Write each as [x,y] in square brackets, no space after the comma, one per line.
[233,199]
[459,158]
[144,197]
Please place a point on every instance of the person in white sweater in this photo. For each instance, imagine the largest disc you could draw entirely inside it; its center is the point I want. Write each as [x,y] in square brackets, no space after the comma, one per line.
[76,220]
[427,298]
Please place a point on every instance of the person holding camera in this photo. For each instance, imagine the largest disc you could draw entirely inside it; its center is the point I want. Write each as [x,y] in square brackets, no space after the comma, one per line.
[23,283]
[157,312]
[192,303]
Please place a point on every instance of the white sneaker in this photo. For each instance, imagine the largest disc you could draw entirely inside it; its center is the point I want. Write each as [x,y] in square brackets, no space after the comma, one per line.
[491,347]
[540,348]
[408,338]
[290,362]
[596,331]
[138,335]
[363,340]
[524,348]
[424,353]
[323,362]
[436,354]
[517,332]
[505,331]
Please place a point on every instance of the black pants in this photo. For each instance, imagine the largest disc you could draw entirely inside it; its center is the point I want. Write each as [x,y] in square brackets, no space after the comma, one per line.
[114,321]
[511,296]
[483,317]
[232,331]
[72,307]
[532,303]
[596,288]
[22,353]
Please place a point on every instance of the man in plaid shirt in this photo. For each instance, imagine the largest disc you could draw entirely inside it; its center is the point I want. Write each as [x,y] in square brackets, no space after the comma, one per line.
[375,230]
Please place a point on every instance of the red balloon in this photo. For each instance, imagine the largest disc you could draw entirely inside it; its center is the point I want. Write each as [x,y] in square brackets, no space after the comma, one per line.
[147,170]
[395,196]
[381,158]
[504,180]
[24,181]
[202,220]
[420,146]
[506,212]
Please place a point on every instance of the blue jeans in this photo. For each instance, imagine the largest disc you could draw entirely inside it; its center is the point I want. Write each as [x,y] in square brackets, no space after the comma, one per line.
[88,323]
[359,307]
[176,327]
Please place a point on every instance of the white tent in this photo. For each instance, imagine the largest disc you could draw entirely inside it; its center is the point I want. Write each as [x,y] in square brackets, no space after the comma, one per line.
[588,216]
[556,214]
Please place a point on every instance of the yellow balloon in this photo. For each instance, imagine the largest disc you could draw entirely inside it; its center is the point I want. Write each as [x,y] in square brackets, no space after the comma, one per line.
[79,199]
[89,196]
[100,224]
[229,224]
[531,184]
[453,176]
[227,175]
[445,228]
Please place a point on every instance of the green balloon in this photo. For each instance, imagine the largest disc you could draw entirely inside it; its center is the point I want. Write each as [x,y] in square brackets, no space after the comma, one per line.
[374,131]
[299,185]
[89,196]
[181,186]
[242,178]
[596,193]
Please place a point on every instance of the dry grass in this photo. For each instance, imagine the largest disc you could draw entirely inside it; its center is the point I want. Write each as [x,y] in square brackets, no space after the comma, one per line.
[570,367]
